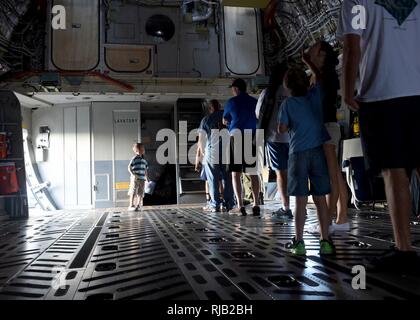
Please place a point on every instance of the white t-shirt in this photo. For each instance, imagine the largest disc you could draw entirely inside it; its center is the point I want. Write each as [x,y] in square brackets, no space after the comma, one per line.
[271,133]
[390,62]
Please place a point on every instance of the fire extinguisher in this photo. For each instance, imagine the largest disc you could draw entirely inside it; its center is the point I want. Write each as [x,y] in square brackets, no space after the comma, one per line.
[3,145]
[356,127]
[8,178]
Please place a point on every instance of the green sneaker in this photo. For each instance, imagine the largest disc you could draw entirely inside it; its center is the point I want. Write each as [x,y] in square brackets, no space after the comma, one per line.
[326,247]
[298,247]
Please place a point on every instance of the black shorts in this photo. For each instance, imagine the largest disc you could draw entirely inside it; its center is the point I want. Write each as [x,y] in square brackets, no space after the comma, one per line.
[238,162]
[390,132]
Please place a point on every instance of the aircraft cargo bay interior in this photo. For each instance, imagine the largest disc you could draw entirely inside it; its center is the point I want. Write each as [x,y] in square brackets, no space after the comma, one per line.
[209,150]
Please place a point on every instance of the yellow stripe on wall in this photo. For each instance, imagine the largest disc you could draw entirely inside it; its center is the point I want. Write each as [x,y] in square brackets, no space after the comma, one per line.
[122,185]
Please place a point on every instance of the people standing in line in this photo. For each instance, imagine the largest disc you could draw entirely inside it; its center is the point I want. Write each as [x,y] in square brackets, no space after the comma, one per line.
[210,142]
[246,182]
[323,57]
[199,168]
[277,144]
[138,168]
[385,54]
[239,116]
[301,115]
[247,192]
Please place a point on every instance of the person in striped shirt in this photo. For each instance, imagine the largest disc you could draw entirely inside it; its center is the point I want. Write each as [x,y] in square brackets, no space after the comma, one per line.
[138,169]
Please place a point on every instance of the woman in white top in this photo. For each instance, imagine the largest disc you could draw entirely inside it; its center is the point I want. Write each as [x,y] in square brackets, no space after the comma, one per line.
[277,144]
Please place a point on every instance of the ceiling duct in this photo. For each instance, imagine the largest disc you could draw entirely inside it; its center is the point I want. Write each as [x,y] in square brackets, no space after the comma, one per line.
[161,27]
[11,13]
[197,10]
[22,29]
[294,24]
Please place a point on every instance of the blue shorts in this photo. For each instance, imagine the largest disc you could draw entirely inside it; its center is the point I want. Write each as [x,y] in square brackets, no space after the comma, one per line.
[308,174]
[278,155]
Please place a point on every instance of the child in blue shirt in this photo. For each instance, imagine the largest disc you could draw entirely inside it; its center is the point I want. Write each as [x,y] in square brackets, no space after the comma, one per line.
[301,115]
[138,168]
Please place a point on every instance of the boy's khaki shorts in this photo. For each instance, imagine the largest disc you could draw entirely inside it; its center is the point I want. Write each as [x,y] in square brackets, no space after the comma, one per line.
[136,187]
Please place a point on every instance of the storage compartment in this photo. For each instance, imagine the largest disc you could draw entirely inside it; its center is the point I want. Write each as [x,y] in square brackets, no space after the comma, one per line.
[77,47]
[242,39]
[129,58]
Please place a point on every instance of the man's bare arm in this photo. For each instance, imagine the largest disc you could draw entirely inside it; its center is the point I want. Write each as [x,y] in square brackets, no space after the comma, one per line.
[314,69]
[200,151]
[351,61]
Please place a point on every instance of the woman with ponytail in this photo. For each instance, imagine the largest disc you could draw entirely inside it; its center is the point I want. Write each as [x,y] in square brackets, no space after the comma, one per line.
[323,56]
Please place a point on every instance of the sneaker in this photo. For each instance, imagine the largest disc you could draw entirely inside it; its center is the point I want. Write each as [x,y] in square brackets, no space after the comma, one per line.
[343,227]
[285,213]
[207,207]
[131,208]
[326,247]
[215,210]
[227,208]
[256,211]
[397,262]
[211,209]
[243,211]
[315,229]
[236,210]
[297,247]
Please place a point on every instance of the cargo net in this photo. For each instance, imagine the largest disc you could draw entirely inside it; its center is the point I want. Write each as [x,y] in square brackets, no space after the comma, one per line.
[22,32]
[292,24]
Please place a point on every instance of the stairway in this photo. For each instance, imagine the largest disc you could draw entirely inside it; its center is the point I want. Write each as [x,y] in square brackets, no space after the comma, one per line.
[191,188]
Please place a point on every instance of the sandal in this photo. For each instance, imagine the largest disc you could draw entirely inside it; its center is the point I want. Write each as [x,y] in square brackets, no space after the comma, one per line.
[256,211]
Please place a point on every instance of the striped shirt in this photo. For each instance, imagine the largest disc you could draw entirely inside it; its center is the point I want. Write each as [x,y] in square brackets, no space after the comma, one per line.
[138,166]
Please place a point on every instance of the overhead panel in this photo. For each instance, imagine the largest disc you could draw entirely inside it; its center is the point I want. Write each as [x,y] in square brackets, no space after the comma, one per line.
[77,47]
[241,41]
[246,3]
[125,58]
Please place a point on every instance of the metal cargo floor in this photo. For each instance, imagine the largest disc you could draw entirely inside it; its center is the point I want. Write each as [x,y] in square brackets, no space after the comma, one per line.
[181,253]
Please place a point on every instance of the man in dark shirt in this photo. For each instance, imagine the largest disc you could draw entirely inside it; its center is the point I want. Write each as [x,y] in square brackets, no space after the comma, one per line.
[239,116]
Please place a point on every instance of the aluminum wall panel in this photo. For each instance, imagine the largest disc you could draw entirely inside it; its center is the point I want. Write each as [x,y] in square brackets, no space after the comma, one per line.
[243,55]
[70,158]
[77,47]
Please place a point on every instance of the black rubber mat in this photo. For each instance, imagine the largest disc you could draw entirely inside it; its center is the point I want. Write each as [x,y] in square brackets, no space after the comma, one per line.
[185,254]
